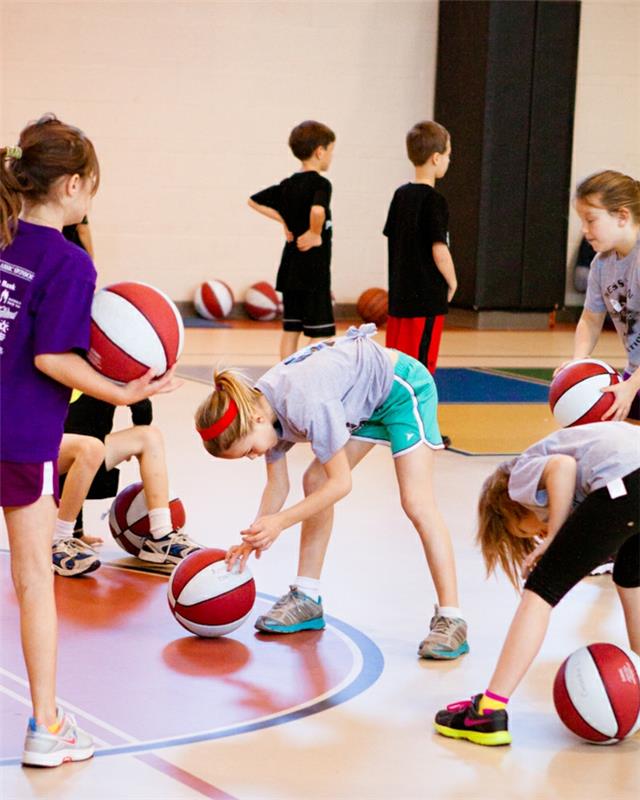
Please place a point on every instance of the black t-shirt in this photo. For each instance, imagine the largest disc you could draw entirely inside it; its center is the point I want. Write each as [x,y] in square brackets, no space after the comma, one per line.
[70,233]
[418,218]
[292,199]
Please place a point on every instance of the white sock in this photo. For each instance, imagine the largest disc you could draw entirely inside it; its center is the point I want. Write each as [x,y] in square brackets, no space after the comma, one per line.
[310,587]
[63,530]
[450,611]
[159,522]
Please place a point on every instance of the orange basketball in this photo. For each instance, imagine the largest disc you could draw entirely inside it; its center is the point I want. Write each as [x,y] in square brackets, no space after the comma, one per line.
[373,306]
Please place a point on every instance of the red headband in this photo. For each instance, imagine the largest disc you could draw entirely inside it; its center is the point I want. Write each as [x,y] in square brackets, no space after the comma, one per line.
[221,424]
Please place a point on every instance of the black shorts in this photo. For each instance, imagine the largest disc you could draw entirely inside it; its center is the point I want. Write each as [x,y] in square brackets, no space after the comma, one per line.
[599,528]
[309,312]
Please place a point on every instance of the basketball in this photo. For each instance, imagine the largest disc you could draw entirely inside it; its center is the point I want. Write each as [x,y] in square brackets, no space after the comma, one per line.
[373,306]
[129,520]
[261,302]
[134,328]
[213,300]
[597,693]
[574,395]
[205,598]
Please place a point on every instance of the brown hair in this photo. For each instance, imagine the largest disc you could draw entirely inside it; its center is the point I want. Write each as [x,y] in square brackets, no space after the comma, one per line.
[306,137]
[228,384]
[497,512]
[425,139]
[47,150]
[613,191]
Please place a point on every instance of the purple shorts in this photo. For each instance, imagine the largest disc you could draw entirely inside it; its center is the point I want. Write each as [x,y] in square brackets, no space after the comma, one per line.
[634,411]
[23,484]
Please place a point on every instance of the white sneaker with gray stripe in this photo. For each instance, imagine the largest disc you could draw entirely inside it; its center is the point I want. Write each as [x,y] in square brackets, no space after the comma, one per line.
[293,612]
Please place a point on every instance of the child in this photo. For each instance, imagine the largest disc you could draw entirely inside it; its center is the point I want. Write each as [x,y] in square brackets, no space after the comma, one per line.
[343,397]
[88,459]
[422,278]
[556,512]
[47,285]
[301,204]
[608,204]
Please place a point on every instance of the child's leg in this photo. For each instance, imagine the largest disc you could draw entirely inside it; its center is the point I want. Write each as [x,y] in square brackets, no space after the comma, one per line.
[145,442]
[289,343]
[630,599]
[79,458]
[30,529]
[626,576]
[415,479]
[301,608]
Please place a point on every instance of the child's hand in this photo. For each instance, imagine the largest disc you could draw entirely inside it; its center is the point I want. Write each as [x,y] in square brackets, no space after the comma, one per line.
[309,240]
[287,233]
[451,291]
[624,394]
[534,556]
[239,554]
[263,533]
[147,386]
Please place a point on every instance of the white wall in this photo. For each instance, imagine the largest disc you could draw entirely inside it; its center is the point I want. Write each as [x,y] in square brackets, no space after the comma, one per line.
[190,105]
[607,116]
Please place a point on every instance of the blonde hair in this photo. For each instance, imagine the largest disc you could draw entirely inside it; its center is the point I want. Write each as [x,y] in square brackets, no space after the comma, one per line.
[497,514]
[229,385]
[613,191]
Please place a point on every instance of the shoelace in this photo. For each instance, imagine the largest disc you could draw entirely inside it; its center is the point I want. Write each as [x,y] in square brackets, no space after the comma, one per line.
[443,624]
[284,600]
[180,538]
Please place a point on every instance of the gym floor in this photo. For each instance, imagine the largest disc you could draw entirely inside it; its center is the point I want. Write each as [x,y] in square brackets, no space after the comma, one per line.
[343,713]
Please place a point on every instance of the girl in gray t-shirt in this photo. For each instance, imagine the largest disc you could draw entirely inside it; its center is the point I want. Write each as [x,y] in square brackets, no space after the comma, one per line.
[343,397]
[555,513]
[608,204]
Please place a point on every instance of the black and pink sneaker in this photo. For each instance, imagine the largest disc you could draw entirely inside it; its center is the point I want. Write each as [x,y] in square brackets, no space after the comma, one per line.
[463,721]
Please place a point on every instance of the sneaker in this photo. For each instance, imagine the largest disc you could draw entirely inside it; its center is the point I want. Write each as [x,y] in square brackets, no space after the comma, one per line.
[71,558]
[446,441]
[45,749]
[293,612]
[464,721]
[447,638]
[170,549]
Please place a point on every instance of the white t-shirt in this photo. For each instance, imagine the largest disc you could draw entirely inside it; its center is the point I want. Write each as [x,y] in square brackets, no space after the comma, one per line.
[604,451]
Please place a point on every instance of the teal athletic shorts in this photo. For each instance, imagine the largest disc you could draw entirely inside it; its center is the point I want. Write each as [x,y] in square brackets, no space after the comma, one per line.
[409,416]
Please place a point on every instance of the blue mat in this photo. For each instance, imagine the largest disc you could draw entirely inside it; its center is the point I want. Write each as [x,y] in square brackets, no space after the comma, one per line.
[456,385]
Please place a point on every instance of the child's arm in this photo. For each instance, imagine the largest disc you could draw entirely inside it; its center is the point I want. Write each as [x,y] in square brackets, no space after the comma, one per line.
[266,529]
[273,497]
[559,480]
[587,332]
[272,214]
[73,371]
[444,262]
[313,237]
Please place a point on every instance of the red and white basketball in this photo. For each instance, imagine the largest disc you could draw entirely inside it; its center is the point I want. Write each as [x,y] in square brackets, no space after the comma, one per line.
[574,395]
[261,302]
[134,328]
[205,598]
[129,517]
[213,300]
[597,693]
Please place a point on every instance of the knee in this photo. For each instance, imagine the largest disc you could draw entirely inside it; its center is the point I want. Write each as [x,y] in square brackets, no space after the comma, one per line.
[33,575]
[415,510]
[313,478]
[151,437]
[90,452]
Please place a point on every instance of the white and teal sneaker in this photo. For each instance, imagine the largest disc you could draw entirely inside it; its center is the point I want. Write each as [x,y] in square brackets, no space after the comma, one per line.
[293,612]
[447,638]
[45,749]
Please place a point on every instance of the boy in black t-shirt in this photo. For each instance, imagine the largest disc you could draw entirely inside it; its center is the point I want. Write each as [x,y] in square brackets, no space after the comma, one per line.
[422,277]
[301,204]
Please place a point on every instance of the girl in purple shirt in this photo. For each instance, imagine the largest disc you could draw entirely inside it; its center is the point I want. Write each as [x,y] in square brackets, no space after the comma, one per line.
[46,288]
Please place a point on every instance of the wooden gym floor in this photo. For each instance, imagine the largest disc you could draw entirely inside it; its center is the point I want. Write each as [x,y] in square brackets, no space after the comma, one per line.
[344,713]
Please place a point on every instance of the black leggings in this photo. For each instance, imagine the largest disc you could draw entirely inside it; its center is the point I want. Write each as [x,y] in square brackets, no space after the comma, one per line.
[599,528]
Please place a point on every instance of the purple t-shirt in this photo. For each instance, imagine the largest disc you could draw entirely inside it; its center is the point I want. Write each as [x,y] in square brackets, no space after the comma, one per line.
[46,289]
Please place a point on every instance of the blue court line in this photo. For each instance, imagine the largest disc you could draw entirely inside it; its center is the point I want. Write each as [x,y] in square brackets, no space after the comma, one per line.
[372,667]
[459,385]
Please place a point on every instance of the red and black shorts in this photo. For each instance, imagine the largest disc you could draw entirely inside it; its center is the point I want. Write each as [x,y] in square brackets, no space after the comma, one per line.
[416,336]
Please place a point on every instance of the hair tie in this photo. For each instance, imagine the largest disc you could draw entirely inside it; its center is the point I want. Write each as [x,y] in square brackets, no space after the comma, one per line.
[220,425]
[14,152]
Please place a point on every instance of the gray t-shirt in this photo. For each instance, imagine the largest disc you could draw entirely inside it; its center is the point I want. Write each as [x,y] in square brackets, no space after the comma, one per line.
[323,392]
[614,286]
[604,451]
